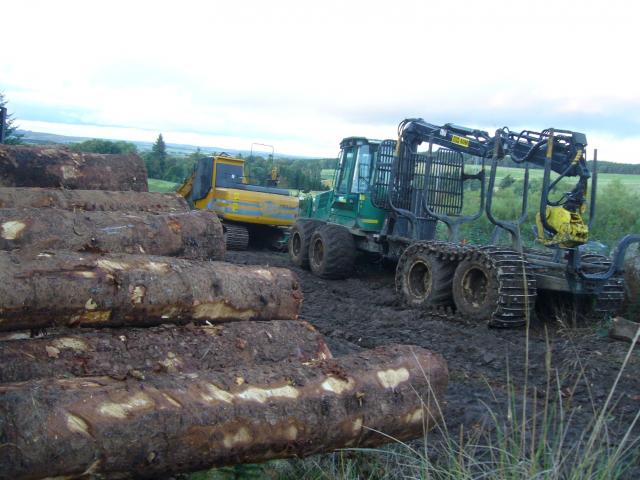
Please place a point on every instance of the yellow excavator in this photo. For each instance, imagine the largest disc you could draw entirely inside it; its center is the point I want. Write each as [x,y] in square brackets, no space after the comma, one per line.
[248,212]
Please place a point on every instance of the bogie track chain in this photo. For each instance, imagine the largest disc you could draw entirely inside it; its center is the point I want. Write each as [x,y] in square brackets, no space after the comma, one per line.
[611,297]
[516,294]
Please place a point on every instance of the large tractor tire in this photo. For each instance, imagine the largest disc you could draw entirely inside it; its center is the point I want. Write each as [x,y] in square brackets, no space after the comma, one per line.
[423,279]
[299,240]
[332,252]
[475,289]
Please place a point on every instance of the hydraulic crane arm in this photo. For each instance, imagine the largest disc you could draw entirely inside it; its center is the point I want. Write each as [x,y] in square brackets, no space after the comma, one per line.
[567,156]
[560,151]
[414,131]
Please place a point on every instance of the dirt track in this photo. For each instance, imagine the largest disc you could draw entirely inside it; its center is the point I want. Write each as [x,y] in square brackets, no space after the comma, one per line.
[364,312]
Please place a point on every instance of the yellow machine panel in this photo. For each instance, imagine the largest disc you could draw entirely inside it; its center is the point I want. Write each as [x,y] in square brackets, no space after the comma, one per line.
[251,207]
[234,200]
[571,230]
[247,211]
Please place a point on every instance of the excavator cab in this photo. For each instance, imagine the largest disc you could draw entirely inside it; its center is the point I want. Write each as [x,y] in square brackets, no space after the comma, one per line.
[247,211]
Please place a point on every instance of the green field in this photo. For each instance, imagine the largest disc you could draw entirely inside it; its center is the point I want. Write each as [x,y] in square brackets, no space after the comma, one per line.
[632,182]
[156,185]
[604,179]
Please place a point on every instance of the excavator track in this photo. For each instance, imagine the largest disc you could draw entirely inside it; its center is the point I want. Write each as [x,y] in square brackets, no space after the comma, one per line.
[236,236]
[516,287]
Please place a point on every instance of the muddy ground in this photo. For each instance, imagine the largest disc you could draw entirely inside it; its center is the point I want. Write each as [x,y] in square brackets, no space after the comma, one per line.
[364,312]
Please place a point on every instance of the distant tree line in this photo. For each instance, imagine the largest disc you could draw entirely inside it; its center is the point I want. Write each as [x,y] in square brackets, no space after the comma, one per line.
[97,145]
[292,173]
[612,167]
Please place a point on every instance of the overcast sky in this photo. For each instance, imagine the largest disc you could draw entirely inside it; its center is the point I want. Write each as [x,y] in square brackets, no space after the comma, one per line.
[301,75]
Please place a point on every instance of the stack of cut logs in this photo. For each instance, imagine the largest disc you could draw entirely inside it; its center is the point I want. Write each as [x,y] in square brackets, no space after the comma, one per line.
[184,362]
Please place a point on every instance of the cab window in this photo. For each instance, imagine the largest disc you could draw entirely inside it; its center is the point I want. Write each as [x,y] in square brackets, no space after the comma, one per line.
[362,170]
[346,169]
[228,175]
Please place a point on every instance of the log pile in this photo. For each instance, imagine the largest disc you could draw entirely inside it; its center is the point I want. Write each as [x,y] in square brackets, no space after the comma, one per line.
[59,167]
[92,200]
[71,289]
[174,423]
[168,348]
[183,364]
[195,235]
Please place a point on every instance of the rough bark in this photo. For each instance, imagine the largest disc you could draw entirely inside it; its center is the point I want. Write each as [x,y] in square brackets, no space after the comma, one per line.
[632,283]
[195,235]
[140,351]
[77,289]
[52,167]
[91,200]
[179,423]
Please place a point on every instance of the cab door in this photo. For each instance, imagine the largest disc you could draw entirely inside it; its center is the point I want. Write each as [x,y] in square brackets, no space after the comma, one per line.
[345,201]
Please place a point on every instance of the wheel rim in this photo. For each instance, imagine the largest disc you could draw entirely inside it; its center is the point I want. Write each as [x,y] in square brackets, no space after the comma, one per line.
[419,279]
[475,284]
[318,252]
[296,244]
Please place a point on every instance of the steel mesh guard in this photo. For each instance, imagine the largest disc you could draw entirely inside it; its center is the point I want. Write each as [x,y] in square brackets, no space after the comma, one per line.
[404,183]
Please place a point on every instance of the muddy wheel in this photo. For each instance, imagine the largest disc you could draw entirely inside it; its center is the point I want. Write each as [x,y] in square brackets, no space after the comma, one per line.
[475,289]
[299,239]
[332,252]
[236,237]
[423,279]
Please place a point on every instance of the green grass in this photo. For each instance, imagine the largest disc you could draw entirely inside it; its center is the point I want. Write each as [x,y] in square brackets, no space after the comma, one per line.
[156,185]
[604,179]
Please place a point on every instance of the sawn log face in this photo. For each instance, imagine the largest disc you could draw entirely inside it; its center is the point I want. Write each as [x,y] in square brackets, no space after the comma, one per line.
[180,423]
[81,289]
[53,167]
[168,348]
[195,235]
[91,200]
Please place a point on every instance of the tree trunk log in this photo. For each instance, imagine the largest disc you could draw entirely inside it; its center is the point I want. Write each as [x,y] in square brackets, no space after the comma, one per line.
[91,200]
[76,289]
[623,329]
[632,283]
[52,167]
[180,423]
[140,351]
[195,235]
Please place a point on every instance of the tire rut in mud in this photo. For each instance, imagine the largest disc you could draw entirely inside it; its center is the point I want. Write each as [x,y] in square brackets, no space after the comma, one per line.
[364,312]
